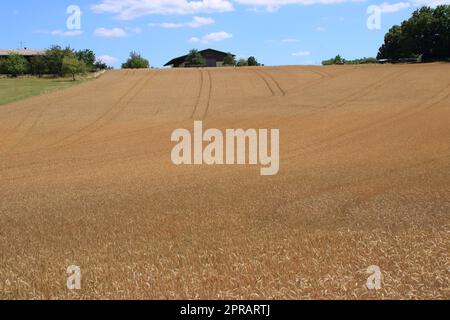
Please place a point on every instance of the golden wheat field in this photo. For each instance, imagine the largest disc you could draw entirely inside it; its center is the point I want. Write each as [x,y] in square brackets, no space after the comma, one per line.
[87,180]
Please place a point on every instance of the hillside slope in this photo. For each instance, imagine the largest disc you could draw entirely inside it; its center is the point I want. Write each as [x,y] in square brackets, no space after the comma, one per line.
[87,180]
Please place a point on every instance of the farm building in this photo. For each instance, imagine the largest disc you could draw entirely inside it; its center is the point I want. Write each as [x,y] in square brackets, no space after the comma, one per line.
[214,58]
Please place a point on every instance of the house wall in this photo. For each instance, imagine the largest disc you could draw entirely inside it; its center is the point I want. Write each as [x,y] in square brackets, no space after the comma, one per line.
[210,63]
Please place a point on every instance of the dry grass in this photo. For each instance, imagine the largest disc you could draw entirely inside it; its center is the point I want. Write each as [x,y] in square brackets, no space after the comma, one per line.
[86,179]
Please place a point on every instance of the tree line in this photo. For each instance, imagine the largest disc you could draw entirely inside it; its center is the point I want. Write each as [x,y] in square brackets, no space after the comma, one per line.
[56,61]
[339,60]
[193,59]
[426,35]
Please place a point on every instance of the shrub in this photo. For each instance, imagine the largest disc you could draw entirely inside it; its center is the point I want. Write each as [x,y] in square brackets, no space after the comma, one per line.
[88,57]
[195,58]
[15,64]
[54,59]
[38,66]
[229,60]
[136,61]
[242,63]
[252,62]
[72,66]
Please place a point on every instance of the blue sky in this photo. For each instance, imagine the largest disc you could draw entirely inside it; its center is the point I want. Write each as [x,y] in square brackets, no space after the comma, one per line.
[277,32]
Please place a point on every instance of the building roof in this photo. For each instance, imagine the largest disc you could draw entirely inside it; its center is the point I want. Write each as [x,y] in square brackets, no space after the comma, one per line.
[22,52]
[180,60]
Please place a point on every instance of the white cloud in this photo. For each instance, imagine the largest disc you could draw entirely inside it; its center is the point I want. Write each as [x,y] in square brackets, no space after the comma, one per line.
[431,3]
[289,40]
[212,37]
[274,5]
[133,30]
[110,33]
[394,7]
[301,54]
[132,9]
[107,59]
[68,33]
[321,29]
[196,22]
[167,25]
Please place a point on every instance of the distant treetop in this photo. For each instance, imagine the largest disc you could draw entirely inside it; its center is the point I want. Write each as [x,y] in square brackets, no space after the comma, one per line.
[136,61]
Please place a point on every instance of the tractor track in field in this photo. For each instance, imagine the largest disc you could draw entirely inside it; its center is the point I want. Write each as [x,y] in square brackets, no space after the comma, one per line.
[115,114]
[208,102]
[271,83]
[110,114]
[365,176]
[199,95]
[104,114]
[349,98]
[204,96]
[342,102]
[319,146]
[27,129]
[324,77]
[279,90]
[375,85]
[62,94]
[265,82]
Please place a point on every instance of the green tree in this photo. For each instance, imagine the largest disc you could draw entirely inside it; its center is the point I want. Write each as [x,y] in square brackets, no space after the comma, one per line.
[336,60]
[136,61]
[88,57]
[252,62]
[15,64]
[392,47]
[242,63]
[426,33]
[361,61]
[441,36]
[38,66]
[194,58]
[55,56]
[229,60]
[2,66]
[100,65]
[72,66]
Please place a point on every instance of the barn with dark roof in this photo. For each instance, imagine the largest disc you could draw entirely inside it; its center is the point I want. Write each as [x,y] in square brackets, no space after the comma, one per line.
[214,58]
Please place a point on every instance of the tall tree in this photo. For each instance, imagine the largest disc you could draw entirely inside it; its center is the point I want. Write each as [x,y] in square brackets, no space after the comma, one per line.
[55,56]
[393,46]
[72,66]
[426,33]
[136,61]
[88,57]
[15,64]
[195,58]
[229,60]
[242,62]
[38,66]
[252,62]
